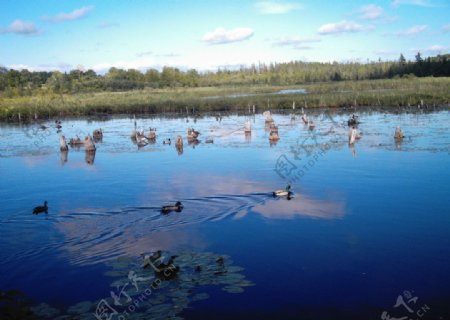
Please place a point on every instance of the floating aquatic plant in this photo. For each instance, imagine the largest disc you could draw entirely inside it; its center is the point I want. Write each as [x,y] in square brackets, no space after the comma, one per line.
[160,291]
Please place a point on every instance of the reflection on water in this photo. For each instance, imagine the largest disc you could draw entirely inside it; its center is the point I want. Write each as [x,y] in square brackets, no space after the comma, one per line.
[301,205]
[348,213]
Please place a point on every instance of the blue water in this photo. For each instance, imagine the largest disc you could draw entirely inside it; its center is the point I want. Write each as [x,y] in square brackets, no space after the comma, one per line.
[366,223]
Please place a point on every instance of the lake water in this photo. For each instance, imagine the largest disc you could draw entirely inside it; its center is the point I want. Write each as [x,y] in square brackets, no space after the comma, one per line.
[366,235]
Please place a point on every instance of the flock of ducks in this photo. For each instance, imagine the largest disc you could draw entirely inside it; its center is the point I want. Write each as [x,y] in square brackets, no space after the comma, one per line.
[192,136]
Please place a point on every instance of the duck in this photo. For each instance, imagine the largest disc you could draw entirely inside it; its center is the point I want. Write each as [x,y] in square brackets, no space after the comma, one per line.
[209,140]
[40,209]
[283,193]
[63,144]
[398,134]
[353,120]
[178,207]
[98,134]
[167,141]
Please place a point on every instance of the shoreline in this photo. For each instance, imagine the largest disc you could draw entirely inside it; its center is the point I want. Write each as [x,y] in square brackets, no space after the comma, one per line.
[409,93]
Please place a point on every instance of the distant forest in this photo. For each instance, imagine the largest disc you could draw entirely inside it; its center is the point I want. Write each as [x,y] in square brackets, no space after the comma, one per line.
[15,83]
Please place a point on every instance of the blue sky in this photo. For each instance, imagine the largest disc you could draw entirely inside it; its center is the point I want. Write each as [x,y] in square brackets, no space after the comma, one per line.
[206,34]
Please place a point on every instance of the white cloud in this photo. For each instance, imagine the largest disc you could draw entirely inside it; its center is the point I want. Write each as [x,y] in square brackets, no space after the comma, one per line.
[63,67]
[21,27]
[74,15]
[446,28]
[435,49]
[273,7]
[222,36]
[414,30]
[421,3]
[371,12]
[342,27]
[297,43]
[387,53]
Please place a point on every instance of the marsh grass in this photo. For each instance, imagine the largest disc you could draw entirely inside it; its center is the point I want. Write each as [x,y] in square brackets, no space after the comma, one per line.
[394,92]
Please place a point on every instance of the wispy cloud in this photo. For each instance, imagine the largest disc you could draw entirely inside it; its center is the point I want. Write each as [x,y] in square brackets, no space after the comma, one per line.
[276,7]
[421,3]
[446,28]
[106,25]
[145,53]
[21,27]
[222,36]
[343,27]
[434,49]
[63,67]
[297,43]
[414,30]
[371,12]
[73,15]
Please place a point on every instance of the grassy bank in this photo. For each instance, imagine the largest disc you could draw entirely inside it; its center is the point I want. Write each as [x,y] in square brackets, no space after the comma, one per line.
[395,92]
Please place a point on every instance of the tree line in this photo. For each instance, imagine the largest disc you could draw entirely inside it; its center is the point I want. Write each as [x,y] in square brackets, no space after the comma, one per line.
[24,82]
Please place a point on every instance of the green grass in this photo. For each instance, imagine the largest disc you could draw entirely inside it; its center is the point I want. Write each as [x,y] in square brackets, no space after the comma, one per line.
[395,92]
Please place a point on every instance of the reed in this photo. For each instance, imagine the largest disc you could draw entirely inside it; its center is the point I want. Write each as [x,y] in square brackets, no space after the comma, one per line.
[388,93]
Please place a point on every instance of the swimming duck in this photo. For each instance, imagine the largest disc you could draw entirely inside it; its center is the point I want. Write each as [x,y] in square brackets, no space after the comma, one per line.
[283,193]
[178,207]
[398,134]
[40,209]
[353,120]
[98,134]
[167,141]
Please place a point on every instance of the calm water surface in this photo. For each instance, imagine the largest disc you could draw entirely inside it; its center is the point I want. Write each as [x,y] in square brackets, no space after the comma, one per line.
[367,229]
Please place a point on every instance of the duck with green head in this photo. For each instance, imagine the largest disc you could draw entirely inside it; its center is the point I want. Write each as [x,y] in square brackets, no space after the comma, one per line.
[283,193]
